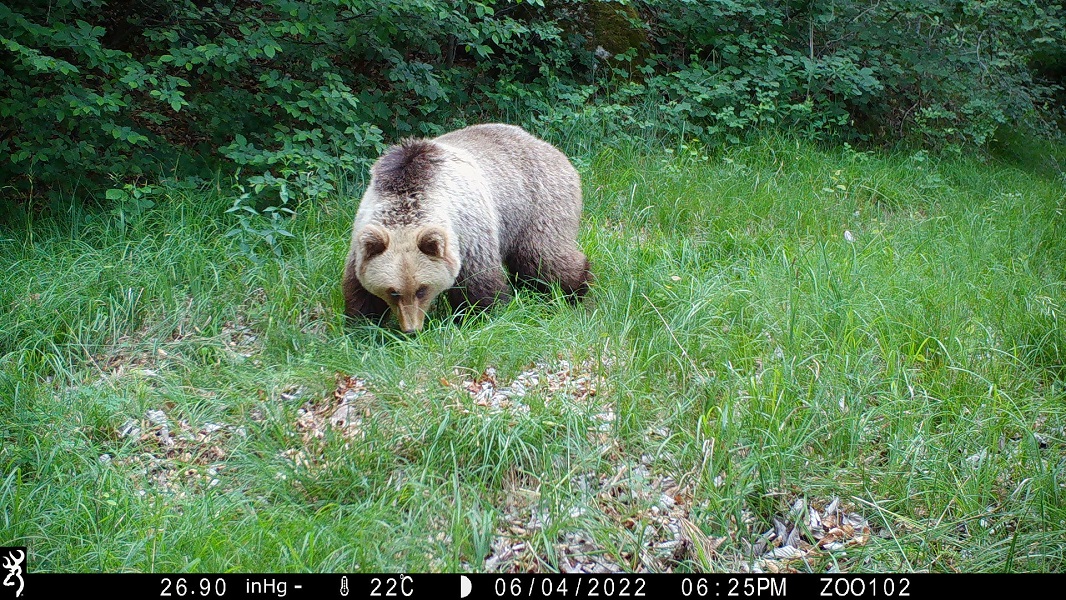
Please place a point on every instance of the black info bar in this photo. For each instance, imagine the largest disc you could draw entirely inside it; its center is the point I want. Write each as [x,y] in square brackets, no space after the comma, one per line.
[485,586]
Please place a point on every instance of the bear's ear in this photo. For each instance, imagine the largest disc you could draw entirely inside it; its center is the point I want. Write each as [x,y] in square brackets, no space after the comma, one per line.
[431,242]
[374,240]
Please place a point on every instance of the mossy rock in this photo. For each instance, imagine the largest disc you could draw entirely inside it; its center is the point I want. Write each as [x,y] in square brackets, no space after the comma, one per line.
[617,28]
[605,25]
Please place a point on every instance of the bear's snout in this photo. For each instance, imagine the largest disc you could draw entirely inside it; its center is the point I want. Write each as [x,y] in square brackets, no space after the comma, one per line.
[410,316]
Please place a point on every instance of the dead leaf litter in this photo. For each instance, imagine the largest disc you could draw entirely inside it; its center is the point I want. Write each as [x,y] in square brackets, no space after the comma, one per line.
[655,513]
[174,456]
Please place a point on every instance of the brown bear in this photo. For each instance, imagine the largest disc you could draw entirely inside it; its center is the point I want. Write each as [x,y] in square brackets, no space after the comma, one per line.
[449,213]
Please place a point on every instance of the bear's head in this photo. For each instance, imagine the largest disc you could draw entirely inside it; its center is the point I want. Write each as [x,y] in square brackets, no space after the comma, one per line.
[407,267]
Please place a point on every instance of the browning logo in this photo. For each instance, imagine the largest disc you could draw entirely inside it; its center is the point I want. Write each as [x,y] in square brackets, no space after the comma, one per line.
[13,559]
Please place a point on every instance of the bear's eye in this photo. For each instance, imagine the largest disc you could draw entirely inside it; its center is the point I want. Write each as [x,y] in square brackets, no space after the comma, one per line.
[394,293]
[421,293]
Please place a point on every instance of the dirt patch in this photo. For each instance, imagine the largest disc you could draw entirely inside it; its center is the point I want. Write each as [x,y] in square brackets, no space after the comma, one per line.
[617,497]
[655,507]
[563,380]
[580,385]
[640,515]
[147,351]
[344,411]
[174,456]
[809,530]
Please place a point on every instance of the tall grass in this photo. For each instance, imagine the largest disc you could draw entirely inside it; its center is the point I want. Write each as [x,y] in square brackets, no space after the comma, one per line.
[770,322]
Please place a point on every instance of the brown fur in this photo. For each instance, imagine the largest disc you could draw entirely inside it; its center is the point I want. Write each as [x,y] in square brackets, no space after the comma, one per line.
[453,211]
[406,168]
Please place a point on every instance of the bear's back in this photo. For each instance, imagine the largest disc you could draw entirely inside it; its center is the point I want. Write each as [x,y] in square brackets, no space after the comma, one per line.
[509,153]
[528,178]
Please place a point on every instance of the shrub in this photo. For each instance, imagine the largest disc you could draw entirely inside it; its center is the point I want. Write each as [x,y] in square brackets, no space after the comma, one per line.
[300,92]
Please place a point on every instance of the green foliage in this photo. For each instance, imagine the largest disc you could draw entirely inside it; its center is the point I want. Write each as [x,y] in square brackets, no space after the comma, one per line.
[300,90]
[265,227]
[940,72]
[303,92]
[130,201]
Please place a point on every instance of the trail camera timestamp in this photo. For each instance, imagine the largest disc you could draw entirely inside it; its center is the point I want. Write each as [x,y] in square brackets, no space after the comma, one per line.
[733,587]
[570,587]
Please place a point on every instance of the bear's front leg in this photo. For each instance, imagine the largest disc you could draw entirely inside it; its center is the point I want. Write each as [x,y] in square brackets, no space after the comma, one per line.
[358,302]
[479,289]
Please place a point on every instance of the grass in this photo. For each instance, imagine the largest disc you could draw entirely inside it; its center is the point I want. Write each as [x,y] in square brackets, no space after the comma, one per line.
[777,332]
